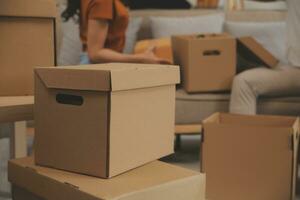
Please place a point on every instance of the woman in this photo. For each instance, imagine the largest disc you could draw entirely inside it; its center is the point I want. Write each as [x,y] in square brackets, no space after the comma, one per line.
[283,81]
[103,25]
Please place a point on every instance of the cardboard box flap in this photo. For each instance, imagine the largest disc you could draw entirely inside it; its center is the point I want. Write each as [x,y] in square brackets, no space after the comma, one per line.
[108,77]
[149,176]
[249,48]
[134,76]
[74,79]
[28,8]
[257,120]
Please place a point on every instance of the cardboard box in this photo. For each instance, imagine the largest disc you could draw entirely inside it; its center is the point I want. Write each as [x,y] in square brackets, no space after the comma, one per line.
[163,48]
[103,120]
[250,157]
[27,33]
[208,61]
[154,181]
[251,54]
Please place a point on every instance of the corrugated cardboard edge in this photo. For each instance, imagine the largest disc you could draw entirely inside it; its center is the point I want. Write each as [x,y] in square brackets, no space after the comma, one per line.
[178,188]
[143,78]
[28,8]
[55,79]
[296,134]
[214,118]
[264,55]
[44,187]
[20,176]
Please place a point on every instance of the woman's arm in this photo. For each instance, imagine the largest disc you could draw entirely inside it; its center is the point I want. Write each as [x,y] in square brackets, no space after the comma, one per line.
[96,36]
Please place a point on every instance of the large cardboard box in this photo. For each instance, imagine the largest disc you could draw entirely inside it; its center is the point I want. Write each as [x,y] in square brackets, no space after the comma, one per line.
[27,34]
[105,119]
[208,61]
[154,181]
[163,48]
[250,157]
[251,54]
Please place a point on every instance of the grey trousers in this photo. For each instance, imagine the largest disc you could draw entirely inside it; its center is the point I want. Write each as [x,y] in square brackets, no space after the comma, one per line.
[252,84]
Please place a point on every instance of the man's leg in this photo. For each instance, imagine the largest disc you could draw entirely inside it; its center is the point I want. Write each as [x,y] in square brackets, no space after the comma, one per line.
[250,85]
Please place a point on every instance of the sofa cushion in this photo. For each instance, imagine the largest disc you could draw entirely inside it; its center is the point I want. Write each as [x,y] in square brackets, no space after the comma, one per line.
[272,35]
[168,26]
[193,108]
[131,34]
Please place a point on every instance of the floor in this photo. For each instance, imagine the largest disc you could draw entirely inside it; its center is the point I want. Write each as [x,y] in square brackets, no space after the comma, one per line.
[187,157]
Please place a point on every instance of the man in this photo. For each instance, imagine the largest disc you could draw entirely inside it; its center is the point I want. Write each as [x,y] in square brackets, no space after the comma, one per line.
[282,81]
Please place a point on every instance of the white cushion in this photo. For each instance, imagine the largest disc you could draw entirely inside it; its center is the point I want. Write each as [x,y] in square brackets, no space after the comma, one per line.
[70,49]
[256,5]
[271,35]
[131,33]
[168,26]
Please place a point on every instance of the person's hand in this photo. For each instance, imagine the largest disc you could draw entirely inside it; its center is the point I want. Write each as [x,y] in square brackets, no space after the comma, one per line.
[148,57]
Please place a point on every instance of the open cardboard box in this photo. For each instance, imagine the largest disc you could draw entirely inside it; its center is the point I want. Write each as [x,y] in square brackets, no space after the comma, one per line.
[154,181]
[103,120]
[250,157]
[207,61]
[27,33]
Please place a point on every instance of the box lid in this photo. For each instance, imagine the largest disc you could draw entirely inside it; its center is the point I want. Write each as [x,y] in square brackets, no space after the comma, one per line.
[149,182]
[250,49]
[108,77]
[28,8]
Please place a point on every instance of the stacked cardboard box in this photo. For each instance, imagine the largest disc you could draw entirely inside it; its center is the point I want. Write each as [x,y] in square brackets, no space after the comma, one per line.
[250,157]
[104,121]
[209,62]
[27,32]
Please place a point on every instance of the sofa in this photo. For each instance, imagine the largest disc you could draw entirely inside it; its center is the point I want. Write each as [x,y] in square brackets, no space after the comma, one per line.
[191,109]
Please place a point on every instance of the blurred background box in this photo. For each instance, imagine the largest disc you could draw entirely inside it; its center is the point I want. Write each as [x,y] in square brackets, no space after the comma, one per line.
[207,61]
[27,34]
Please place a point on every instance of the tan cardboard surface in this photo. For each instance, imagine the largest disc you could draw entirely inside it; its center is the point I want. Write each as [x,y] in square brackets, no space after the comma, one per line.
[22,194]
[106,77]
[208,61]
[25,44]
[158,137]
[154,181]
[72,137]
[255,52]
[117,130]
[27,40]
[28,8]
[249,157]
[163,47]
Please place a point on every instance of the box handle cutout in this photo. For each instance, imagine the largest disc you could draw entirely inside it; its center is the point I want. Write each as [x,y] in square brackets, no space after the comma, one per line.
[211,53]
[69,99]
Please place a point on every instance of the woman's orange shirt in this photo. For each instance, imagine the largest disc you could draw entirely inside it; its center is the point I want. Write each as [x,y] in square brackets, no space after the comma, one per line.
[111,10]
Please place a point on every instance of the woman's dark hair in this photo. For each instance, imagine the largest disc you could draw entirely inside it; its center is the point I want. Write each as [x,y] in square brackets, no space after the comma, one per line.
[72,10]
